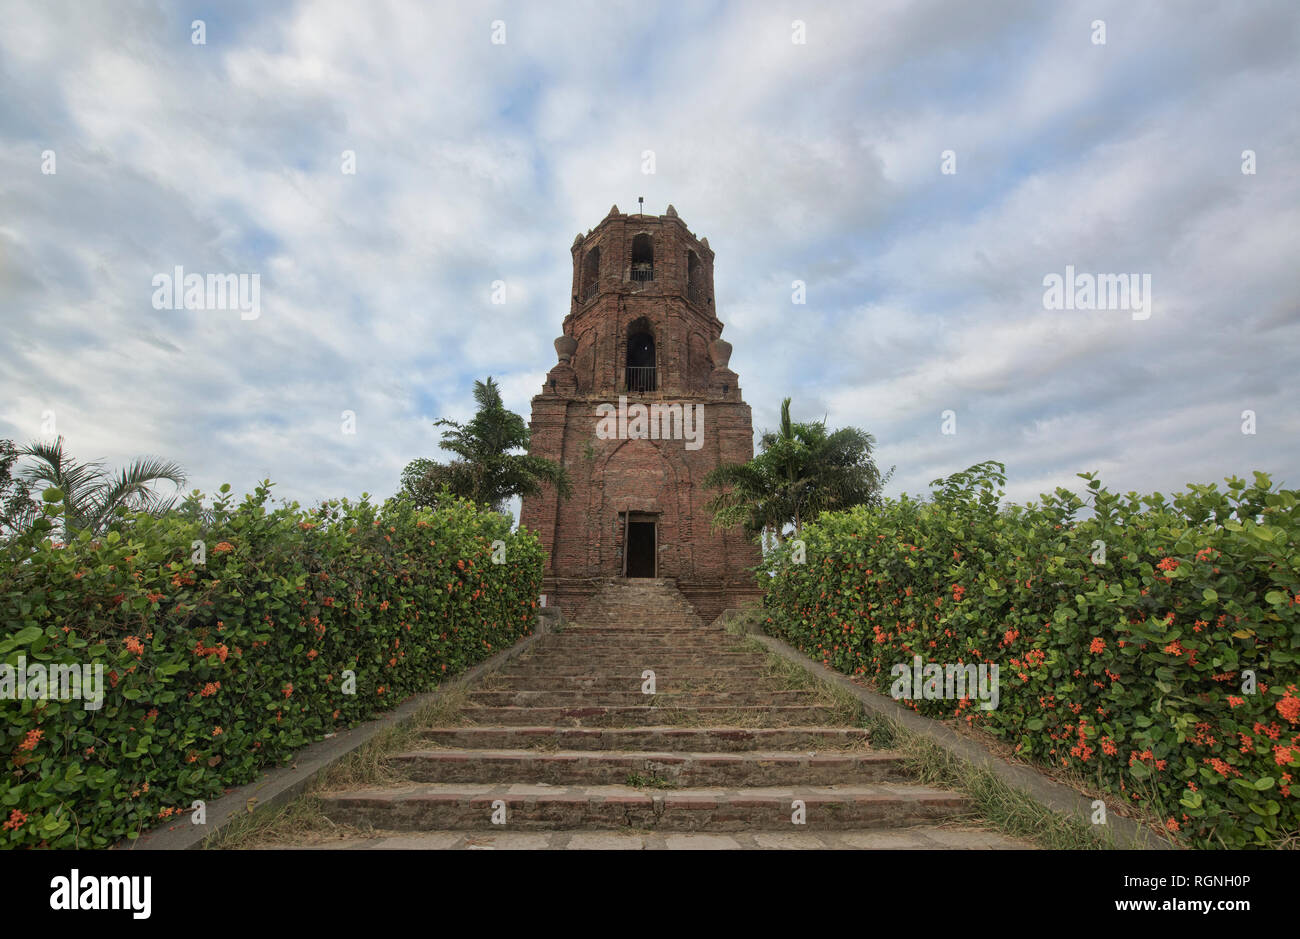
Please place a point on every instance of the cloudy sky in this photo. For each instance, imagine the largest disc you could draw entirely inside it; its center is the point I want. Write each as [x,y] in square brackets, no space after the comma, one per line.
[818,161]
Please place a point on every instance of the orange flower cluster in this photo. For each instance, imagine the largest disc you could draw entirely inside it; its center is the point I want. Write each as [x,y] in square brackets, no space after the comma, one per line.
[1222,768]
[1289,706]
[219,651]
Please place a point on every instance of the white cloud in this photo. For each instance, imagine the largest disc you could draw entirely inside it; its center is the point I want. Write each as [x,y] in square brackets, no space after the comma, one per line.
[820,162]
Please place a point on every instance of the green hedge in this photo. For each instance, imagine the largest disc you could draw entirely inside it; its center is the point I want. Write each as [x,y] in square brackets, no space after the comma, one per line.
[1128,669]
[215,669]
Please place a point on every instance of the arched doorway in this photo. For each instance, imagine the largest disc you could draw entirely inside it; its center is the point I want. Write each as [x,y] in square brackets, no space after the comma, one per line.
[641,545]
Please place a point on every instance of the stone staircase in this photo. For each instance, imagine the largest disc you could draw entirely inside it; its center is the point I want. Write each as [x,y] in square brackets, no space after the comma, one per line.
[564,745]
[624,605]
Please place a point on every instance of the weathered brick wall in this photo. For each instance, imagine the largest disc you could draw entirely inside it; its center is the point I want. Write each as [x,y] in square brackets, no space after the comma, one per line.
[583,534]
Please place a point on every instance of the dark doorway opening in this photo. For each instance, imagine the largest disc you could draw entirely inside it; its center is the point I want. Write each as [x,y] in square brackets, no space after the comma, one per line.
[640,549]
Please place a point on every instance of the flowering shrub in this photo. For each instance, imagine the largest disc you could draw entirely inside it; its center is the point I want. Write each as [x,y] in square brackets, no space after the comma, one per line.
[295,624]
[1127,642]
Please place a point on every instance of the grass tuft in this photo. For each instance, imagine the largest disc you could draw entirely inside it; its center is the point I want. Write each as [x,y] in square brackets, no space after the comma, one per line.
[652,781]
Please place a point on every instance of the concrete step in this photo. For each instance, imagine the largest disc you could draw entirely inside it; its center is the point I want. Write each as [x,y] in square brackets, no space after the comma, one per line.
[581,699]
[560,670]
[638,641]
[697,650]
[604,604]
[625,635]
[460,806]
[635,622]
[678,768]
[643,716]
[661,600]
[608,660]
[663,597]
[614,654]
[648,630]
[673,605]
[911,838]
[630,683]
[633,606]
[691,739]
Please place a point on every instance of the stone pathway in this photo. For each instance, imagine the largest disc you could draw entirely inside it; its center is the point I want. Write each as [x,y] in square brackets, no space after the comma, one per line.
[563,746]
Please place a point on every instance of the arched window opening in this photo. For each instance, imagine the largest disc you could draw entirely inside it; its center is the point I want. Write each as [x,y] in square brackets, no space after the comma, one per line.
[643,258]
[642,375]
[693,285]
[590,275]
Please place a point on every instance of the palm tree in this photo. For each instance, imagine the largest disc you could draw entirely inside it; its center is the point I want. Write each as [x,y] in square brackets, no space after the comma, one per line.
[750,496]
[17,509]
[488,472]
[92,496]
[801,471]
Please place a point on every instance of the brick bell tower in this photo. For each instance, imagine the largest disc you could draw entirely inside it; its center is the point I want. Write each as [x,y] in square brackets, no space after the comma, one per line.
[639,408]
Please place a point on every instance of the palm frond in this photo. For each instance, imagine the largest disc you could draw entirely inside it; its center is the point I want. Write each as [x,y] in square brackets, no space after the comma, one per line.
[90,496]
[489,469]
